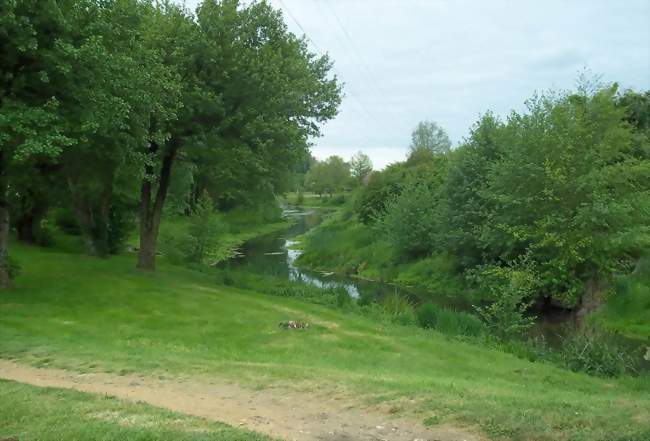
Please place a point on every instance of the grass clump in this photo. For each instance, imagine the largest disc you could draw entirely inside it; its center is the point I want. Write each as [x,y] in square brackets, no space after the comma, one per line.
[448,321]
[595,353]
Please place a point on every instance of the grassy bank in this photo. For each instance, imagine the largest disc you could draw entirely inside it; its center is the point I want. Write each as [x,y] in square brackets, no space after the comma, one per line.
[86,314]
[344,245]
[627,309]
[49,414]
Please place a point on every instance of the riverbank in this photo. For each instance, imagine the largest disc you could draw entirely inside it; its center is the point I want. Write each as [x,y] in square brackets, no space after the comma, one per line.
[90,315]
[344,246]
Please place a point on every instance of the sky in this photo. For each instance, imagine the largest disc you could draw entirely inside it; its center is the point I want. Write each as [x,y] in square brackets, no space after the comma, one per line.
[448,61]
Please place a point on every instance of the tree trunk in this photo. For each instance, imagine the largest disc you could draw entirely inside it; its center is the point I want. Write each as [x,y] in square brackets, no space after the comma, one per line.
[151,210]
[5,277]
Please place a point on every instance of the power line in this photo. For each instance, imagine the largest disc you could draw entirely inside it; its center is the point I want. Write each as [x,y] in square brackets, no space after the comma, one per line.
[318,49]
[356,51]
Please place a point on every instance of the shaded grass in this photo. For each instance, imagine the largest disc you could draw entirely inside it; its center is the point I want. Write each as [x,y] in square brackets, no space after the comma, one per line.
[628,305]
[50,414]
[81,313]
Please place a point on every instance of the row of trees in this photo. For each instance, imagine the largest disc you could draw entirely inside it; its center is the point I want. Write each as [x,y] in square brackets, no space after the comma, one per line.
[558,196]
[334,174]
[101,100]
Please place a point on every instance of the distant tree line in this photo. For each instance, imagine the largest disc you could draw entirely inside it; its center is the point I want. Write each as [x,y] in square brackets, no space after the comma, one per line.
[107,105]
[334,174]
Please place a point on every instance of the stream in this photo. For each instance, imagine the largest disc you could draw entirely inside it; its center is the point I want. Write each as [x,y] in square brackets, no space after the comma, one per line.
[274,255]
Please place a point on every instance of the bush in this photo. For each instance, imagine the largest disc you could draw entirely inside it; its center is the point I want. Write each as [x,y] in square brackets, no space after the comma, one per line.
[197,241]
[448,321]
[410,220]
[508,289]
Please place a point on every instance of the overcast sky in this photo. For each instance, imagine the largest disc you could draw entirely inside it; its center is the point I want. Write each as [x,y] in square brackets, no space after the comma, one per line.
[403,61]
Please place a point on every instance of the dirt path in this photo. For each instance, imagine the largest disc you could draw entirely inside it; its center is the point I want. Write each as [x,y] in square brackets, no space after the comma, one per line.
[288,416]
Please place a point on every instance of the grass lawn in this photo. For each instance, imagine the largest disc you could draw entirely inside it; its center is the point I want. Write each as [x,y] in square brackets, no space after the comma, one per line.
[48,414]
[82,313]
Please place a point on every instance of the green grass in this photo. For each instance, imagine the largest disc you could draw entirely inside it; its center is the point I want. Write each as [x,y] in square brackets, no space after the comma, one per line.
[344,245]
[49,414]
[86,314]
[627,310]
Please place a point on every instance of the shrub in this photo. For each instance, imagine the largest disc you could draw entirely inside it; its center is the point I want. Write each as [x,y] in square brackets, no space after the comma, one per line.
[196,240]
[411,220]
[509,290]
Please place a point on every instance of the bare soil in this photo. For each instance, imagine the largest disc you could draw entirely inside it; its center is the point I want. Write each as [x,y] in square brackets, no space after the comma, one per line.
[287,415]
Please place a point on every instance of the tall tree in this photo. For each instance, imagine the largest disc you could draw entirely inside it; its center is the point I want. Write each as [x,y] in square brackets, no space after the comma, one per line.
[360,166]
[32,39]
[328,176]
[429,137]
[252,93]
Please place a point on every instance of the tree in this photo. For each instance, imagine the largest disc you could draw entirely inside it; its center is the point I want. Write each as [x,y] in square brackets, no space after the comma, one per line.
[328,176]
[252,95]
[31,38]
[360,166]
[429,137]
[570,190]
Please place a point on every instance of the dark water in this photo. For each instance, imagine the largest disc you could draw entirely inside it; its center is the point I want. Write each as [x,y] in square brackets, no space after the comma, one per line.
[273,255]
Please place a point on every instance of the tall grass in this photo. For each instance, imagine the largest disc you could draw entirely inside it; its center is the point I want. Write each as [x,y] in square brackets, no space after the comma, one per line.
[448,321]
[627,310]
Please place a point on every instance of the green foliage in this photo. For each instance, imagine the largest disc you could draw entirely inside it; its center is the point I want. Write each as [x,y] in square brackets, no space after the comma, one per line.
[429,137]
[509,290]
[329,176]
[360,167]
[197,240]
[382,187]
[410,220]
